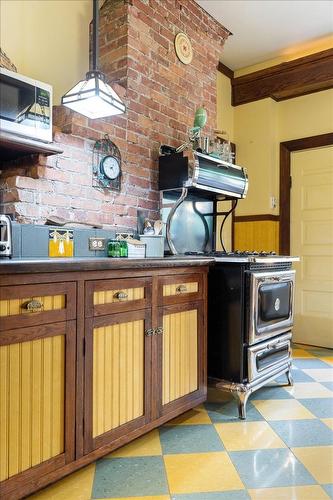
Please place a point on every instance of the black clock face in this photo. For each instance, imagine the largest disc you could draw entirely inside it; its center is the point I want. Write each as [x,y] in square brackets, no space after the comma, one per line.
[110,167]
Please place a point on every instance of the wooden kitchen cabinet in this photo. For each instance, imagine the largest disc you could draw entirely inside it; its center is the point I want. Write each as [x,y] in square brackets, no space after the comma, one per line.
[117,376]
[182,359]
[37,403]
[91,360]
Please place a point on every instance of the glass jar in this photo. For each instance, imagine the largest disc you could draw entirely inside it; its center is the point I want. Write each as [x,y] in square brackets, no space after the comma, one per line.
[114,248]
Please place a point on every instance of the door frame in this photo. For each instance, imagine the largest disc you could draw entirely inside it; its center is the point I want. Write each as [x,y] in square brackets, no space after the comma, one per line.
[286,148]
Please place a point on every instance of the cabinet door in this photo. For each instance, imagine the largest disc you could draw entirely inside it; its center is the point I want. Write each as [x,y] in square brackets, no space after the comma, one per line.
[182,350]
[117,376]
[37,397]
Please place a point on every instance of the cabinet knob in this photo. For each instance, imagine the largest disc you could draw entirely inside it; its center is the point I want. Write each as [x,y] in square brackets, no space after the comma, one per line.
[33,306]
[181,289]
[120,296]
[159,330]
[149,332]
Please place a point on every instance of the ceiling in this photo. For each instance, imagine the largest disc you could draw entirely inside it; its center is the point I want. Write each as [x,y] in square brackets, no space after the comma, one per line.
[265,29]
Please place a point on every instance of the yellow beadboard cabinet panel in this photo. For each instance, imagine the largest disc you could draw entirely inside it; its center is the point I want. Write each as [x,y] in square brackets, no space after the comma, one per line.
[110,296]
[257,235]
[118,375]
[175,288]
[31,403]
[180,355]
[12,307]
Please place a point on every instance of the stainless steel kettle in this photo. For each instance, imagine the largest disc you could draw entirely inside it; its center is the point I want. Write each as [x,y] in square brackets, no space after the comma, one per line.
[6,240]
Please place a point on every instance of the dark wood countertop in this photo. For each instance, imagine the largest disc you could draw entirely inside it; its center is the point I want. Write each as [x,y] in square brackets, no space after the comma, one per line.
[23,266]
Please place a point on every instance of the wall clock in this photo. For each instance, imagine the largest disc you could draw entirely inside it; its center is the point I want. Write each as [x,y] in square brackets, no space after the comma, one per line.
[106,164]
[183,48]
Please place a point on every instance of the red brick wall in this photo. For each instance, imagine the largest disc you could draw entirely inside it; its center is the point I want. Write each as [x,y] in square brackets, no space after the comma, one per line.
[161,93]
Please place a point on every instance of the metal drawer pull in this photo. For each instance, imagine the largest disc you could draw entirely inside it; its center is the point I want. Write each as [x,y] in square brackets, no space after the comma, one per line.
[159,330]
[149,332]
[33,306]
[120,295]
[181,289]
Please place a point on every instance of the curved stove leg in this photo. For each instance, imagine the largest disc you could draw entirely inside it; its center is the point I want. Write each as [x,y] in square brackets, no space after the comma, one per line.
[290,377]
[241,397]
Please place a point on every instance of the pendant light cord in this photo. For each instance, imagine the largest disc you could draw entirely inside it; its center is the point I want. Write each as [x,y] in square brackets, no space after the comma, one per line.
[95,34]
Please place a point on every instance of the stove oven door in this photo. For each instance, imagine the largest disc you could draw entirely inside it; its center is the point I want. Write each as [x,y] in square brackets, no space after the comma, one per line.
[271,308]
[265,358]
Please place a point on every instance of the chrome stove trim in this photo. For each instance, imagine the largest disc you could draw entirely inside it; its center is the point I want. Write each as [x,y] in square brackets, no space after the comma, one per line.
[256,333]
[241,392]
[269,345]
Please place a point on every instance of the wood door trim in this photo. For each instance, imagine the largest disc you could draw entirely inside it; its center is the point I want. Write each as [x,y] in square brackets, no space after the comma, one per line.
[286,148]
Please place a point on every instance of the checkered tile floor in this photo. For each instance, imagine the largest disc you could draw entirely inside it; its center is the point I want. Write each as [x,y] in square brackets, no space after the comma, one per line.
[284,450]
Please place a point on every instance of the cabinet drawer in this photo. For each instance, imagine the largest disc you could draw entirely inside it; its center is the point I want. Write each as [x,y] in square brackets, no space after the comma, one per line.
[117,295]
[181,288]
[29,305]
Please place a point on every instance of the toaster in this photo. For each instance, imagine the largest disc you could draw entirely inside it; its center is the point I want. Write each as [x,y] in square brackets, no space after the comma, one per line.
[6,249]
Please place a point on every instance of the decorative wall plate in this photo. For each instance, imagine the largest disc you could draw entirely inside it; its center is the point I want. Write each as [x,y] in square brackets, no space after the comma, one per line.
[183,48]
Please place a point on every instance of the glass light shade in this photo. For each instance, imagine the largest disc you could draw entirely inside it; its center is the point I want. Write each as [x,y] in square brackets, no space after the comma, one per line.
[93,97]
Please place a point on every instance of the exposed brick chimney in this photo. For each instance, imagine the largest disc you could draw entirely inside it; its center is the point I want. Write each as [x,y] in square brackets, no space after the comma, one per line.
[162,94]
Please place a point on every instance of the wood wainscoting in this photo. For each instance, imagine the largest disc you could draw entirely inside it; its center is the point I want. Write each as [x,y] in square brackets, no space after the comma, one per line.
[256,232]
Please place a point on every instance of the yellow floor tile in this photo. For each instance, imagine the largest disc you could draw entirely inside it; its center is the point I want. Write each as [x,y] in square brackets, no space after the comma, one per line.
[248,436]
[301,353]
[289,493]
[282,409]
[327,359]
[328,422]
[77,486]
[196,416]
[191,473]
[163,497]
[318,460]
[321,375]
[144,446]
[304,390]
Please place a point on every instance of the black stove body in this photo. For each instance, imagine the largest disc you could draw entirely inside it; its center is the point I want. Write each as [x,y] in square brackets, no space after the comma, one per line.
[230,314]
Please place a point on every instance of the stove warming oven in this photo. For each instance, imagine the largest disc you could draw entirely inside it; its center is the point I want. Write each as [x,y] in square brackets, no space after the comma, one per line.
[250,316]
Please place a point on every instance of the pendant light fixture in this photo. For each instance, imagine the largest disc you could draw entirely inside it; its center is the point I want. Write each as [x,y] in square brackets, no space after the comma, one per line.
[93,97]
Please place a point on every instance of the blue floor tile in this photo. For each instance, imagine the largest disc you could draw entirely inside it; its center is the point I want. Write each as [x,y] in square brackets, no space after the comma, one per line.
[320,407]
[298,376]
[127,477]
[329,489]
[189,439]
[216,495]
[270,468]
[303,432]
[329,385]
[228,412]
[309,363]
[271,392]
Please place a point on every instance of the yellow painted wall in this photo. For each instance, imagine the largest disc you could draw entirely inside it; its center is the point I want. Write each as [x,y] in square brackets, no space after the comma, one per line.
[291,53]
[47,39]
[224,121]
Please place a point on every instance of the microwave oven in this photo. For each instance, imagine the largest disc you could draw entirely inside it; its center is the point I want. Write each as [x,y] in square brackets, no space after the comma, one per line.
[25,106]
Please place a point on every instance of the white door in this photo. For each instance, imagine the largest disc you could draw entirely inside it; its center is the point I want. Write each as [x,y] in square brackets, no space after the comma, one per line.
[311,228]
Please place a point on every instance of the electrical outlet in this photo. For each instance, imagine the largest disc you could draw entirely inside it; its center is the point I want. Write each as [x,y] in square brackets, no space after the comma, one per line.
[97,244]
[273,202]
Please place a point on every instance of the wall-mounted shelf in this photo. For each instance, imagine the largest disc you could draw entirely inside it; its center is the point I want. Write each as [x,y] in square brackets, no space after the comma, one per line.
[13,147]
